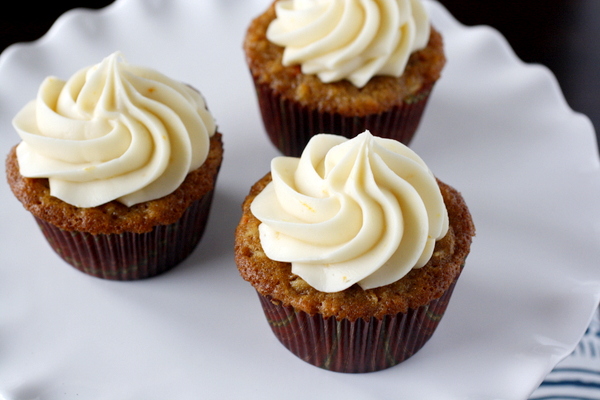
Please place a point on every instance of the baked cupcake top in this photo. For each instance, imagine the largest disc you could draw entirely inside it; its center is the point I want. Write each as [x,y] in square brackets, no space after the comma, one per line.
[115,217]
[361,211]
[275,280]
[353,40]
[113,131]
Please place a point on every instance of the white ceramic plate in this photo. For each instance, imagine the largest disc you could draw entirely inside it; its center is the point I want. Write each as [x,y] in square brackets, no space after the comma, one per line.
[578,375]
[496,129]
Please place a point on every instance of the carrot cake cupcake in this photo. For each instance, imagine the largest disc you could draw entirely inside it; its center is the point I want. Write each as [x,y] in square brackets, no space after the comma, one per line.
[118,165]
[354,250]
[342,68]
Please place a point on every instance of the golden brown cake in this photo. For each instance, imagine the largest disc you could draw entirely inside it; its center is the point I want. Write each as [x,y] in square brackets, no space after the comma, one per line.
[115,217]
[295,105]
[116,242]
[421,286]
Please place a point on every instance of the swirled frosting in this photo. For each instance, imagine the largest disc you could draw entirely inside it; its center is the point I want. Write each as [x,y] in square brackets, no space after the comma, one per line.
[365,210]
[349,39]
[113,131]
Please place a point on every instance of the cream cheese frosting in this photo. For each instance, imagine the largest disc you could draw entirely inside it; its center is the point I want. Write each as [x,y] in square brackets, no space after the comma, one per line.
[349,39]
[113,131]
[360,211]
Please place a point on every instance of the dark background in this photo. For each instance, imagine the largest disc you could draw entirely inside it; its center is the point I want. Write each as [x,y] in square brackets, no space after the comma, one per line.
[564,35]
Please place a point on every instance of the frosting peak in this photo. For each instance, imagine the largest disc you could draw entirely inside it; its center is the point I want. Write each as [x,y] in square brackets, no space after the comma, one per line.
[365,210]
[113,131]
[349,39]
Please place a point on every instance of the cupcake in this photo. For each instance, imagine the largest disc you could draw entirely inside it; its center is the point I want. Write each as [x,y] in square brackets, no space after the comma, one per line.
[354,250]
[118,166]
[342,68]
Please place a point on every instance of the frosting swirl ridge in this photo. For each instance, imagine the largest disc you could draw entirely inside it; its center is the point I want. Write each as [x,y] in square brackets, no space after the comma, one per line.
[113,131]
[349,39]
[365,210]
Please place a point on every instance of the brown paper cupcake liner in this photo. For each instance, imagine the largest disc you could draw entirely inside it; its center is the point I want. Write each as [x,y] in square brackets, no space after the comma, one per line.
[290,125]
[131,256]
[355,346]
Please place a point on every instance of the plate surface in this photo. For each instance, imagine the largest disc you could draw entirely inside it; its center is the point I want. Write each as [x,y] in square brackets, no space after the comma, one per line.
[496,129]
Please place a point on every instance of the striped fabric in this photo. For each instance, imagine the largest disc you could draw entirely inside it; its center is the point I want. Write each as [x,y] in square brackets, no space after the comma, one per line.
[578,376]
